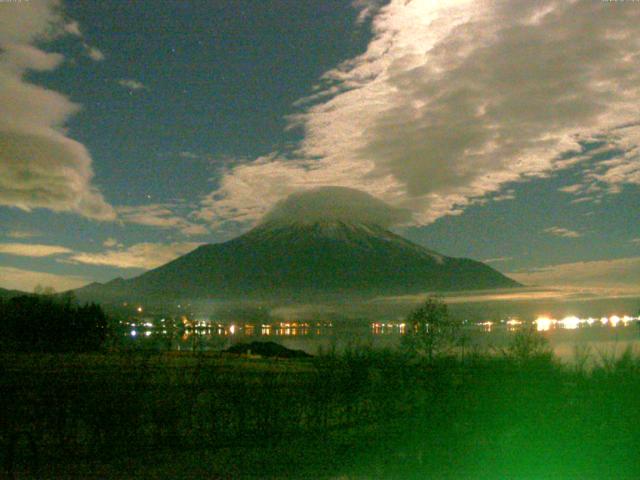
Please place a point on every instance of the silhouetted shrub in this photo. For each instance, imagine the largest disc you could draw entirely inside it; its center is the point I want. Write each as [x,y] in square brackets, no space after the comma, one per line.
[528,345]
[44,323]
[430,329]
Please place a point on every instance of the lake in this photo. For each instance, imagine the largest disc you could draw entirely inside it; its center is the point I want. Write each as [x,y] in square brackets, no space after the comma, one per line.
[597,336]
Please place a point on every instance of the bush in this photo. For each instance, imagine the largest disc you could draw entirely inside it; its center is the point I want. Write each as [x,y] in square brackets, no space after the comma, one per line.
[429,329]
[44,323]
[528,345]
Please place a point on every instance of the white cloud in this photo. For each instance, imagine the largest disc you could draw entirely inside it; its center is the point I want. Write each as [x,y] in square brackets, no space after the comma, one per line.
[141,255]
[507,195]
[32,250]
[193,229]
[635,240]
[571,188]
[25,22]
[111,242]
[22,234]
[612,174]
[131,84]
[619,274]
[160,215]
[26,280]
[562,232]
[93,53]
[497,259]
[73,28]
[581,200]
[366,9]
[249,191]
[337,203]
[452,100]
[40,167]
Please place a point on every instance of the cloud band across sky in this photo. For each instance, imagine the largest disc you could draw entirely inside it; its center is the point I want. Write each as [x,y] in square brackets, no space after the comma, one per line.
[40,166]
[143,256]
[452,100]
[620,275]
[449,102]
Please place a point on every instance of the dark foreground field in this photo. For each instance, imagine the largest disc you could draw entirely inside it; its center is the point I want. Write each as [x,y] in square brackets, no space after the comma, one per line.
[363,414]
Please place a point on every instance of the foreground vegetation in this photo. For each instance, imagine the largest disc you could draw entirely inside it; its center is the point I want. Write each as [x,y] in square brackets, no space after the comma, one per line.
[362,414]
[81,406]
[49,323]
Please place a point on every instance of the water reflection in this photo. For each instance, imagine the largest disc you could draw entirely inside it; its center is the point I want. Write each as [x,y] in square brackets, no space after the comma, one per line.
[186,333]
[209,329]
[544,324]
[388,328]
[187,328]
[486,326]
[513,324]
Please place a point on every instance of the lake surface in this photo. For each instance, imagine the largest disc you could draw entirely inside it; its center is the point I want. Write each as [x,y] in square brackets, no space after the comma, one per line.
[567,337]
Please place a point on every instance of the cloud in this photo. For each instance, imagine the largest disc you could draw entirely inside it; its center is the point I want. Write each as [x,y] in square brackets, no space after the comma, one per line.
[582,200]
[131,84]
[93,53]
[40,166]
[73,28]
[26,280]
[141,255]
[571,188]
[508,195]
[28,21]
[498,259]
[366,9]
[32,250]
[453,100]
[160,215]
[635,240]
[562,232]
[559,293]
[111,242]
[247,192]
[336,203]
[618,274]
[22,234]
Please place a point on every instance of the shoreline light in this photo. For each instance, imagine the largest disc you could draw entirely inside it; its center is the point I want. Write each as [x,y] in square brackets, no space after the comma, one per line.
[570,323]
[544,324]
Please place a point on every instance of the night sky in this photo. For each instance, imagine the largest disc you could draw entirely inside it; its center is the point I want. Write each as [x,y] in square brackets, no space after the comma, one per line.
[131,132]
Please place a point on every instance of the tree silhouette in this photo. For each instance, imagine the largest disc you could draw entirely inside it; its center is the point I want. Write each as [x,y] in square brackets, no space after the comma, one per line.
[429,328]
[50,324]
[528,345]
[40,289]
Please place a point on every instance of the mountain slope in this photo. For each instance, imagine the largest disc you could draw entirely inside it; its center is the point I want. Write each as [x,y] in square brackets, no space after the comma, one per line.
[7,294]
[301,259]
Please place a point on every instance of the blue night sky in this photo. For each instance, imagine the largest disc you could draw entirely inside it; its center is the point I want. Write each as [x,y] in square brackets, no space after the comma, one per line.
[131,132]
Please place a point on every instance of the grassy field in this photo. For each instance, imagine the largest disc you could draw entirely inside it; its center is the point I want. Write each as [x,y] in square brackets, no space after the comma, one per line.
[361,414]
